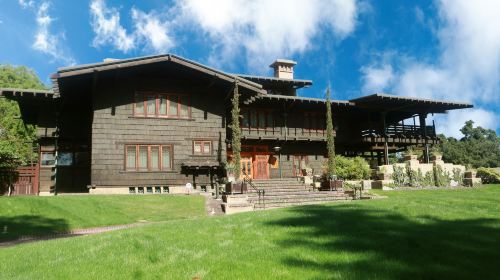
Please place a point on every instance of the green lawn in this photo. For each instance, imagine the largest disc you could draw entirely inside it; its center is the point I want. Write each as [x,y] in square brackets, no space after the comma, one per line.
[42,215]
[435,234]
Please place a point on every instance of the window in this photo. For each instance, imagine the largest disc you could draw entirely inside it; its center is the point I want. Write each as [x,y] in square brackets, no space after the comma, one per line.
[161,105]
[48,159]
[64,159]
[314,122]
[148,157]
[202,147]
[257,119]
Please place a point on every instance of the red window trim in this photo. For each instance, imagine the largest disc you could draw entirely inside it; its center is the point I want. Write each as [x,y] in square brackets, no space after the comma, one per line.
[202,145]
[161,147]
[157,96]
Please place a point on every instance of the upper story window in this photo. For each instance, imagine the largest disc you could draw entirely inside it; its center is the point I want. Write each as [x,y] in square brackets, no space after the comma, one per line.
[159,105]
[314,122]
[202,147]
[148,157]
[257,119]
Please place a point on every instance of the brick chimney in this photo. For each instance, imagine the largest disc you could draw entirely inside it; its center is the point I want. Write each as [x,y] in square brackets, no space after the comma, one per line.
[283,68]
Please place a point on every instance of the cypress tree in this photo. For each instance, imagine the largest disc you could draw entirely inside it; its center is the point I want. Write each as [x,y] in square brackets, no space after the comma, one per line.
[235,127]
[330,141]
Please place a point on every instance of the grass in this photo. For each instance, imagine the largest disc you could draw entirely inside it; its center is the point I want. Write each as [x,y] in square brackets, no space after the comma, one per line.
[44,215]
[428,234]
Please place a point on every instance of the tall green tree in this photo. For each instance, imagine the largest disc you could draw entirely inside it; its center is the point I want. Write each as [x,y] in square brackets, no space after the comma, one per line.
[15,138]
[479,147]
[236,131]
[330,139]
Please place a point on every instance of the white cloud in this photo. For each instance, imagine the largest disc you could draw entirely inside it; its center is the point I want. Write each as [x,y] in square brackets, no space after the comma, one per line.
[107,27]
[150,29]
[468,67]
[45,41]
[26,4]
[377,79]
[451,123]
[264,30]
[153,30]
[258,30]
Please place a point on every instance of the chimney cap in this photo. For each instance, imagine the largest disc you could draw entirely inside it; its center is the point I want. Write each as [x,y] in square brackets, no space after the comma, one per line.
[281,61]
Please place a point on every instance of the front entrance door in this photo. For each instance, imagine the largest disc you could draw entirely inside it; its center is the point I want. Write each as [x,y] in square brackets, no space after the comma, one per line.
[246,167]
[299,162]
[261,167]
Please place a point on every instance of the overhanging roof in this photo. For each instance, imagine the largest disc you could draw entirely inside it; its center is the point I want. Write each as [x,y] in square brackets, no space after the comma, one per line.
[26,92]
[273,81]
[303,99]
[390,102]
[125,63]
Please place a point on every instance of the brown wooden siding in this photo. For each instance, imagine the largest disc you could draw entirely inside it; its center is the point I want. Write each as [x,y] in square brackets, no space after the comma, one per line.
[114,126]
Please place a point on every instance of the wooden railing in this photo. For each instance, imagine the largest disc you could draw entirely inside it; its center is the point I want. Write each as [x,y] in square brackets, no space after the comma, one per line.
[404,131]
[261,192]
[282,133]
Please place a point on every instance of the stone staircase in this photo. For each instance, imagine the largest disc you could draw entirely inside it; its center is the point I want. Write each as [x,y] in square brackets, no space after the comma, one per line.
[280,193]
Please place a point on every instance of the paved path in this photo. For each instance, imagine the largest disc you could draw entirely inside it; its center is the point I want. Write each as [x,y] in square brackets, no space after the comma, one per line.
[73,233]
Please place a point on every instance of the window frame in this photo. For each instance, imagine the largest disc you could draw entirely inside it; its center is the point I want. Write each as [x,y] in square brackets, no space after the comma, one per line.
[157,96]
[202,147]
[254,118]
[161,167]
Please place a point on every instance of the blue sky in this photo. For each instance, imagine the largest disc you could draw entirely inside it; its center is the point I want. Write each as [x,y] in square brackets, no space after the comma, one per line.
[441,49]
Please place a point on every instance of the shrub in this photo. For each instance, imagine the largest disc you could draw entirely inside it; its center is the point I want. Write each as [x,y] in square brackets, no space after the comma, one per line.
[441,177]
[414,177]
[399,176]
[488,175]
[428,179]
[351,168]
[458,176]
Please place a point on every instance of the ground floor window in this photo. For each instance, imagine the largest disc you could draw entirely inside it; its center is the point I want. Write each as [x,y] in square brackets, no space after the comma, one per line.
[141,157]
[202,147]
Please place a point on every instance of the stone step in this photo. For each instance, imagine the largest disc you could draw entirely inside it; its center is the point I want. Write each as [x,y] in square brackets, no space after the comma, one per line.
[302,188]
[295,194]
[232,208]
[297,199]
[282,204]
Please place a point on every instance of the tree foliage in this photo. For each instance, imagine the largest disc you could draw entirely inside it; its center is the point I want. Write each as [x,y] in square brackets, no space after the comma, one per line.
[479,147]
[330,140]
[236,131]
[15,138]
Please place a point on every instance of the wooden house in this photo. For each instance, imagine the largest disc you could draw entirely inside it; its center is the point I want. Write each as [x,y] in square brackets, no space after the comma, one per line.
[152,124]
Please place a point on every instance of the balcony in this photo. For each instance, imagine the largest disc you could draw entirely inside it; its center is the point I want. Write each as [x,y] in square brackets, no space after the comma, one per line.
[405,134]
[282,133]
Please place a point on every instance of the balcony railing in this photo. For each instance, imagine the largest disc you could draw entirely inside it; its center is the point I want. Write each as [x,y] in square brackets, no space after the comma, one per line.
[282,133]
[402,131]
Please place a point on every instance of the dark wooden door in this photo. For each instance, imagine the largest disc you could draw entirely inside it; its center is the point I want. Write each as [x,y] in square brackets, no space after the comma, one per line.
[261,167]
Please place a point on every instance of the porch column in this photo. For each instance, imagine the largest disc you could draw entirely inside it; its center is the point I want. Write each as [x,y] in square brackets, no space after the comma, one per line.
[386,145]
[423,129]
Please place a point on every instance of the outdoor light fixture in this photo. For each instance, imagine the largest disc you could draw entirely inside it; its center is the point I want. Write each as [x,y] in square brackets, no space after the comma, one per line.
[277,149]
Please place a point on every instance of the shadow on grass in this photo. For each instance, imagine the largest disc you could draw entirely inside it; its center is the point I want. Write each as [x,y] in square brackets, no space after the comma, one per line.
[390,246]
[30,225]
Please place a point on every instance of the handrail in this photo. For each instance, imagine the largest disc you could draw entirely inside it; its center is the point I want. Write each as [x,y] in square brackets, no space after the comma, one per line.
[260,192]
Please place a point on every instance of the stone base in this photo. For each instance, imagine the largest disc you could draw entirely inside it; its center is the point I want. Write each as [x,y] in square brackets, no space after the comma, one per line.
[382,184]
[236,208]
[46,194]
[136,190]
[235,199]
[366,184]
[472,182]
